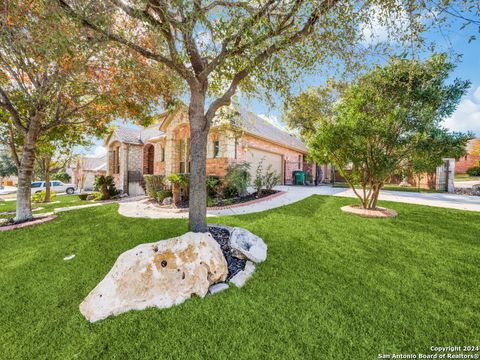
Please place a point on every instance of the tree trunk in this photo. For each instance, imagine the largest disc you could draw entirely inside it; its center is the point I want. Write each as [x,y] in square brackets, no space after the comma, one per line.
[25,172]
[198,152]
[46,169]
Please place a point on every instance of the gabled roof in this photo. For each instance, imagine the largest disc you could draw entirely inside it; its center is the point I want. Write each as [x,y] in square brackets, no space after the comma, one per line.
[94,163]
[137,136]
[257,126]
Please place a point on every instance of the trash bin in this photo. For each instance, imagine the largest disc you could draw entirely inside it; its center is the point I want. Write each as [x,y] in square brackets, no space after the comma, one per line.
[298,177]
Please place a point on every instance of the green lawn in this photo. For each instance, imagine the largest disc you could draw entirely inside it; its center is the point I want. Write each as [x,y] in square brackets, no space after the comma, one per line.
[59,202]
[466,177]
[334,286]
[391,187]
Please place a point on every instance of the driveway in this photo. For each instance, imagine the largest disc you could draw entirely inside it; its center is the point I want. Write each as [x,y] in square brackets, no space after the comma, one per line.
[293,194]
[466,184]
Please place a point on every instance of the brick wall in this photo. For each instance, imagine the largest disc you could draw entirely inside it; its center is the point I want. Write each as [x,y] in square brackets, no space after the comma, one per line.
[217,166]
[466,162]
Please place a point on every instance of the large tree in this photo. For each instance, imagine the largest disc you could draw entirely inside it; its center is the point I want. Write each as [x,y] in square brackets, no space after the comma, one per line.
[388,122]
[217,47]
[259,46]
[50,80]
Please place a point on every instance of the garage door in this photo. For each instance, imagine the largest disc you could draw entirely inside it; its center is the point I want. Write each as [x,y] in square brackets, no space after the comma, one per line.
[257,156]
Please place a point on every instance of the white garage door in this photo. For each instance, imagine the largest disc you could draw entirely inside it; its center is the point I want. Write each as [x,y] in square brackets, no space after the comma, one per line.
[256,156]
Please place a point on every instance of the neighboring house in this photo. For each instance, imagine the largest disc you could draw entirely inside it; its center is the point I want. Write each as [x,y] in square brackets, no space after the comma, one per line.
[86,169]
[471,159]
[236,136]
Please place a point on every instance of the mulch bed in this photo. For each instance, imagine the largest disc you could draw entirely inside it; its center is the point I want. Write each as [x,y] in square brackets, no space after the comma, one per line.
[35,221]
[379,212]
[236,200]
[222,235]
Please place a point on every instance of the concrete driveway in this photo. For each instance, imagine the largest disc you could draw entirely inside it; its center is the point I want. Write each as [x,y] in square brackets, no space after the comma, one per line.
[296,193]
[466,184]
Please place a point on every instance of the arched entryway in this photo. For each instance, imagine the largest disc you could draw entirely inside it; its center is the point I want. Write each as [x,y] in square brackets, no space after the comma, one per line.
[148,159]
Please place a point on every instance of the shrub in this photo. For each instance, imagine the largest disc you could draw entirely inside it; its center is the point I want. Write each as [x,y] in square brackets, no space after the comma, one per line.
[271,178]
[179,182]
[39,197]
[474,171]
[237,180]
[258,182]
[97,195]
[154,184]
[106,185]
[162,195]
[83,196]
[210,202]
[213,185]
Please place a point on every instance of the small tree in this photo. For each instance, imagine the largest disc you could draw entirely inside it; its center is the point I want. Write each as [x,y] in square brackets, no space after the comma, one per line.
[389,119]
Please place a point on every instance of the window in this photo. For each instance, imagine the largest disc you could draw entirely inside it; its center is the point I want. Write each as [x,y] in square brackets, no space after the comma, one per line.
[116,160]
[216,148]
[181,156]
[162,154]
[236,146]
[56,183]
[299,162]
[36,184]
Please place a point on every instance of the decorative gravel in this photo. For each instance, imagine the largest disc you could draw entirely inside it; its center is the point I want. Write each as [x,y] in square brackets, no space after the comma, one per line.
[222,236]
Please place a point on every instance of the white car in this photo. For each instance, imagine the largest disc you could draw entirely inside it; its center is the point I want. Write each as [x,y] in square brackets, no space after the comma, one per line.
[55,186]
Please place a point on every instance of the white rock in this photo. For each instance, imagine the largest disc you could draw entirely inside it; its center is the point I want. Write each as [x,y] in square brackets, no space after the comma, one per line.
[69,257]
[167,201]
[160,274]
[216,288]
[241,277]
[244,244]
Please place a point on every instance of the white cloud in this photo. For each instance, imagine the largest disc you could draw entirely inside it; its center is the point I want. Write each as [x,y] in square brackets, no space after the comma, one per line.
[273,119]
[383,24]
[467,116]
[99,151]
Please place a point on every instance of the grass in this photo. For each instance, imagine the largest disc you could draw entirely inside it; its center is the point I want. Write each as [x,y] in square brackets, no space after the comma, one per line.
[466,177]
[334,286]
[59,202]
[392,187]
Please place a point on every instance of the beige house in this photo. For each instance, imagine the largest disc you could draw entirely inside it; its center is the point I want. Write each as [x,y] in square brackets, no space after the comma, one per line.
[86,169]
[235,136]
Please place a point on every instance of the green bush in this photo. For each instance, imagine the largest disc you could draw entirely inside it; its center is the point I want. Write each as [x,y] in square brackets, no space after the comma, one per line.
[271,178]
[154,184]
[105,185]
[213,185]
[83,196]
[162,195]
[39,197]
[98,196]
[237,180]
[474,171]
[210,202]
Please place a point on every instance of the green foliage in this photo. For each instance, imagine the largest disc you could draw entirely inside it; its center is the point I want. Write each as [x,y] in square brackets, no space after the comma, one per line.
[98,196]
[83,196]
[474,171]
[162,195]
[271,178]
[154,183]
[388,122]
[210,202]
[181,182]
[213,185]
[7,167]
[61,176]
[106,186]
[39,197]
[265,180]
[237,180]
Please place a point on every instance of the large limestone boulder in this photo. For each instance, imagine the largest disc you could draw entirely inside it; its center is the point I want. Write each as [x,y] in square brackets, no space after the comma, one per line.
[160,274]
[246,245]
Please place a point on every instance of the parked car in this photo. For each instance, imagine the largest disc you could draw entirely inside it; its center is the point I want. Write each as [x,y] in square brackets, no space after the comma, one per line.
[55,186]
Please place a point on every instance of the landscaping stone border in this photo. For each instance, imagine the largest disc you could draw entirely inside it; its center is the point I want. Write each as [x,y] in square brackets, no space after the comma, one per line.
[35,221]
[377,213]
[251,202]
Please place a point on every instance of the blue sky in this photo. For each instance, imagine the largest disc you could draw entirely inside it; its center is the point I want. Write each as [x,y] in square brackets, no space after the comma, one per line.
[467,116]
